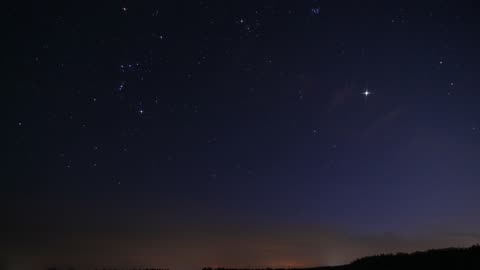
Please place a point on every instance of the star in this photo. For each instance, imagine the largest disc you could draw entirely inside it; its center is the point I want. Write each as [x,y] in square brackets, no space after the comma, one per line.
[141,111]
[122,85]
[366,93]
[124,9]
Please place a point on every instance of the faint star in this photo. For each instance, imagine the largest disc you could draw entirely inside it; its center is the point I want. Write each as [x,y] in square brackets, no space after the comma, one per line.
[141,111]
[124,9]
[19,124]
[122,85]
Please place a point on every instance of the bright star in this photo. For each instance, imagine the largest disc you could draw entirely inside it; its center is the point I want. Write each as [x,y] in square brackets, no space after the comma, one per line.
[366,93]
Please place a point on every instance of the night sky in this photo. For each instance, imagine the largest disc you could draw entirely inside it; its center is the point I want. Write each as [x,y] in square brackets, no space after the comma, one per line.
[183,134]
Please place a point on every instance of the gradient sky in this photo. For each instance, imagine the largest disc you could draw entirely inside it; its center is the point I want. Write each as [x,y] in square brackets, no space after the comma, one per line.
[184,134]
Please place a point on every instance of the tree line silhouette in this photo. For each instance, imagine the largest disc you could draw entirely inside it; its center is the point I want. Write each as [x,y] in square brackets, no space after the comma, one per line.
[449,258]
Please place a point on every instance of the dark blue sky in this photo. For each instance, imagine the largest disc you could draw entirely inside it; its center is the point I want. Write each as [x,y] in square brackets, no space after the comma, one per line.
[238,134]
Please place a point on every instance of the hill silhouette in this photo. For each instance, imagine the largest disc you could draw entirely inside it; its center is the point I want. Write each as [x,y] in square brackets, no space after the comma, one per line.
[449,258]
